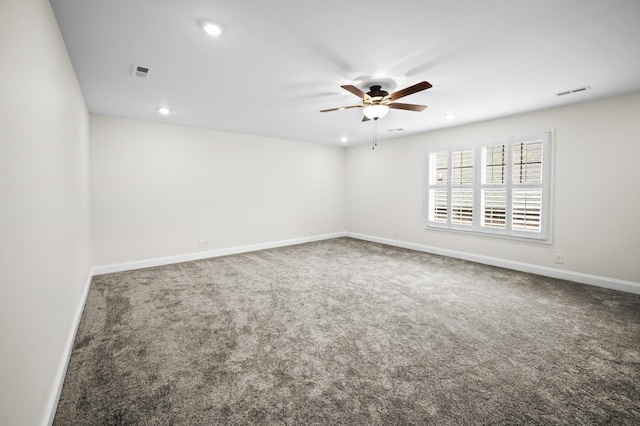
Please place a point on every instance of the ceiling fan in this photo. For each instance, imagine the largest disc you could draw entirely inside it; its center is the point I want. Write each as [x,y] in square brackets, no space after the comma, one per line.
[377,102]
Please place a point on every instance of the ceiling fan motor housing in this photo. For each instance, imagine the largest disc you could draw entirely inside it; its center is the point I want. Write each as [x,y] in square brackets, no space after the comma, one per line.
[377,94]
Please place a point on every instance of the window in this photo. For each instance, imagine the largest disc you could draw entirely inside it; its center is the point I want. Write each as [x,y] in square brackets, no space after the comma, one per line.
[498,186]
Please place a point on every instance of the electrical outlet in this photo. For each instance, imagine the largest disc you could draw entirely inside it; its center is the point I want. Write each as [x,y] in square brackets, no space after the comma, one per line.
[559,258]
[203,243]
[396,233]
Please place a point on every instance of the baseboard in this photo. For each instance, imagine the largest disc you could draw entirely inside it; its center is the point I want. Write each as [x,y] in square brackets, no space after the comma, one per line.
[148,263]
[605,282]
[611,283]
[52,404]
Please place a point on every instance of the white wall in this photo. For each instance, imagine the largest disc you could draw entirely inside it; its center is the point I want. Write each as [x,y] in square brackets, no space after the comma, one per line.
[596,196]
[158,189]
[44,209]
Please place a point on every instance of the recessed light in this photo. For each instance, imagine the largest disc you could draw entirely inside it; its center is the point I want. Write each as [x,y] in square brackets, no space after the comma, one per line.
[163,111]
[343,139]
[450,116]
[211,29]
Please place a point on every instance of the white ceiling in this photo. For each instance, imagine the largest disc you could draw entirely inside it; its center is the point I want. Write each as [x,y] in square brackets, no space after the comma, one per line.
[279,62]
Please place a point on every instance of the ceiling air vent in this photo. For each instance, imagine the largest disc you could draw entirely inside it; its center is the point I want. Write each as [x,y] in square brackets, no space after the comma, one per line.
[140,71]
[567,92]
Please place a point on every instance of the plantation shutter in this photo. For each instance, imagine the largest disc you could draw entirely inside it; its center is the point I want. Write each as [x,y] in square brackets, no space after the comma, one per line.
[493,185]
[527,181]
[499,186]
[462,180]
[438,187]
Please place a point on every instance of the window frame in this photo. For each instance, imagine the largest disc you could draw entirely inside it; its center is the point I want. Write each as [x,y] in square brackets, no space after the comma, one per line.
[478,227]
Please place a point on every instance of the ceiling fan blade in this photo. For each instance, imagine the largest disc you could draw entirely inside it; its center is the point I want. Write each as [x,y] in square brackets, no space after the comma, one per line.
[341,108]
[353,89]
[423,85]
[408,107]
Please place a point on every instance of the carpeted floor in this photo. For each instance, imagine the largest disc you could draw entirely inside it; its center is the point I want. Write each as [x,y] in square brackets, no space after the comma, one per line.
[350,332]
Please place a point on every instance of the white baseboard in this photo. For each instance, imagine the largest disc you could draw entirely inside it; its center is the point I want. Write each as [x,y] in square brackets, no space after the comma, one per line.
[148,263]
[612,283]
[605,282]
[52,403]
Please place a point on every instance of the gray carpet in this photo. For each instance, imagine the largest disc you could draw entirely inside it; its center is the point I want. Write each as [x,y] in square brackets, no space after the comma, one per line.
[350,332]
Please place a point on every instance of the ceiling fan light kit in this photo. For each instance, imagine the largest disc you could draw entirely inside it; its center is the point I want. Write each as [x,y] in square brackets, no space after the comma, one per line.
[373,112]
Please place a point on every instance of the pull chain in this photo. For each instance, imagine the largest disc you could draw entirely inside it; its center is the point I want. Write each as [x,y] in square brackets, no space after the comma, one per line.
[375,134]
